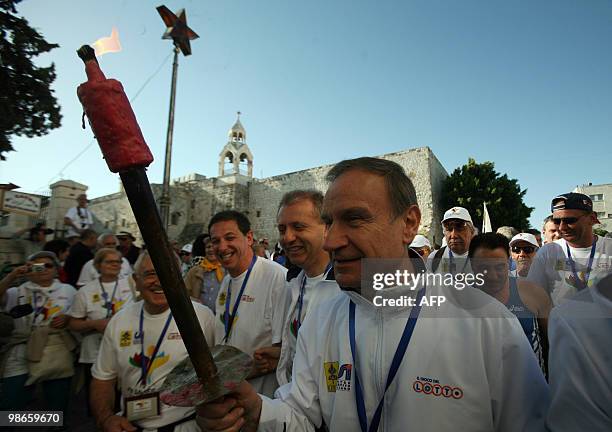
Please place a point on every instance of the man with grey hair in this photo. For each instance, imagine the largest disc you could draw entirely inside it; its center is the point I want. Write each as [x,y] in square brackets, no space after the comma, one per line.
[141,346]
[463,374]
[301,234]
[458,232]
[550,230]
[89,272]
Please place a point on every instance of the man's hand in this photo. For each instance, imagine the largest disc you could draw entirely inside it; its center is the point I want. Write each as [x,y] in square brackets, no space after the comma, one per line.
[266,359]
[117,423]
[60,321]
[239,411]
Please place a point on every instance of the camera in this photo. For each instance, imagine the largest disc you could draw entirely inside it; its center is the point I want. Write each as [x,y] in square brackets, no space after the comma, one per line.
[21,310]
[38,267]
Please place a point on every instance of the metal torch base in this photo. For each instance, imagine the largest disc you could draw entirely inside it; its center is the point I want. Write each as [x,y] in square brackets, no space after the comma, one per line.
[182,386]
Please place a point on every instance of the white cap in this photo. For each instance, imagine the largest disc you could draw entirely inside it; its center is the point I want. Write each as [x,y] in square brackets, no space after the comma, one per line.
[420,241]
[187,248]
[526,237]
[457,213]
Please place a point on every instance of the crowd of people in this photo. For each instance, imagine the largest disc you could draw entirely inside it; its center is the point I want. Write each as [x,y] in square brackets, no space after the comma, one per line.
[525,350]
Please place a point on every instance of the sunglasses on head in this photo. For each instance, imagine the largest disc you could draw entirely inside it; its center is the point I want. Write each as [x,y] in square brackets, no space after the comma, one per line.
[526,249]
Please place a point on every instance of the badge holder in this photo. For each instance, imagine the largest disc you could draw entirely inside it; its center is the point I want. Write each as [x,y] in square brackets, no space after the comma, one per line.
[142,406]
[182,387]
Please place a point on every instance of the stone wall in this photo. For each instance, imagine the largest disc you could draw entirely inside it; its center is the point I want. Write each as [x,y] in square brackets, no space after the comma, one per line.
[195,198]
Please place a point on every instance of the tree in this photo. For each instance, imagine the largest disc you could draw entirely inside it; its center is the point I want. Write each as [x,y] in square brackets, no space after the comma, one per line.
[27,105]
[473,184]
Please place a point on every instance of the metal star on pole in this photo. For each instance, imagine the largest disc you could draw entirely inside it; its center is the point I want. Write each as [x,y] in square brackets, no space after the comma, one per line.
[177,29]
[181,34]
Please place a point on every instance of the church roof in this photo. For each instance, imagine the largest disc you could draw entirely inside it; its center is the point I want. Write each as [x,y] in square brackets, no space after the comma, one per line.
[237,127]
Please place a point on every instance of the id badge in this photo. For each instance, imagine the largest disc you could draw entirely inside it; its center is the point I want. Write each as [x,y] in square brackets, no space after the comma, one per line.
[142,406]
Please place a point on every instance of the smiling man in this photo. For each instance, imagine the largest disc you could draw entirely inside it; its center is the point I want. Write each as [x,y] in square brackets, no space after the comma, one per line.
[464,373]
[579,258]
[251,303]
[302,233]
[140,347]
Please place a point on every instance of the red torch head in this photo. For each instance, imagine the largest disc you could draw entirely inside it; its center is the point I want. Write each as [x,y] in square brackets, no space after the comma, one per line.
[111,117]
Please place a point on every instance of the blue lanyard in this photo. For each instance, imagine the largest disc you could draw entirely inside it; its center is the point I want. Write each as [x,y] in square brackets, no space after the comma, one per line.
[395,364]
[108,304]
[450,258]
[145,365]
[229,319]
[300,302]
[587,274]
[37,309]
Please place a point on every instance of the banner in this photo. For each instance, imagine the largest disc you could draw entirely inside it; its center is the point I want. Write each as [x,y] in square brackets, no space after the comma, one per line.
[19,202]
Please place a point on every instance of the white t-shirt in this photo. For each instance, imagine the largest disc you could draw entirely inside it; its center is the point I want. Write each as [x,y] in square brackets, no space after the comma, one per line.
[579,363]
[552,269]
[120,357]
[89,272]
[460,263]
[81,217]
[316,291]
[260,315]
[89,303]
[47,302]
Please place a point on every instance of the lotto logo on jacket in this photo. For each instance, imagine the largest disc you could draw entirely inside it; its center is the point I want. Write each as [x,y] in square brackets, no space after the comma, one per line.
[338,377]
[433,387]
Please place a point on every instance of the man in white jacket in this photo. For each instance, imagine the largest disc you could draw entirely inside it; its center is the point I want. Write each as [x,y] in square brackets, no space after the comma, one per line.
[468,366]
[301,234]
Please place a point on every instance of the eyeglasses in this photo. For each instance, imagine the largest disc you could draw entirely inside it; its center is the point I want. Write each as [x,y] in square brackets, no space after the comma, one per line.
[455,226]
[526,249]
[111,262]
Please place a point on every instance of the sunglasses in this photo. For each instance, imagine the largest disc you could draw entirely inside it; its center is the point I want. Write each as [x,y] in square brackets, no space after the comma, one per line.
[567,220]
[526,249]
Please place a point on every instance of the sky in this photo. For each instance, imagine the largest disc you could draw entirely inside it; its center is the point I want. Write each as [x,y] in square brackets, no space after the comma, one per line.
[524,84]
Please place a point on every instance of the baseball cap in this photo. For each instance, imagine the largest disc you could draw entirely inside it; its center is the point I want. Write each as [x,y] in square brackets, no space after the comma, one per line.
[457,213]
[420,241]
[529,238]
[571,201]
[187,248]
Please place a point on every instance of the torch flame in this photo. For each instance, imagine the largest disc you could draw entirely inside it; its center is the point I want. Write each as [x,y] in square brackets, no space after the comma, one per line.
[108,44]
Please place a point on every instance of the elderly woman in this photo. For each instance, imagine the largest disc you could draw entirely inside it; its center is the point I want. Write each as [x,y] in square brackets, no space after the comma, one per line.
[39,348]
[96,302]
[204,279]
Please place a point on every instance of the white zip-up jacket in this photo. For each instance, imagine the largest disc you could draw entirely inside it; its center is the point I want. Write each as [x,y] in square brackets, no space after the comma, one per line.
[317,290]
[464,370]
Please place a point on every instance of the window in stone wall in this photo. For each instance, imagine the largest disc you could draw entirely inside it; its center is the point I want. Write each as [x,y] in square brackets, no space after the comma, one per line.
[258,213]
[193,204]
[123,223]
[174,218]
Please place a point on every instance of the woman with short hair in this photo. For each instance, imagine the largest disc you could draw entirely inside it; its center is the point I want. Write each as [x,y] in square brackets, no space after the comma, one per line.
[96,302]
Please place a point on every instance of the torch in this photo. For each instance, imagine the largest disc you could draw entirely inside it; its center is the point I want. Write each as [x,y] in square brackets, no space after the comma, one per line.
[123,146]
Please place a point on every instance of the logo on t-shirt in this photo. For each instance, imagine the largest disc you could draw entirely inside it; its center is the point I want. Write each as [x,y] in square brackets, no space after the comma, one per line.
[95,298]
[161,358]
[125,338]
[338,378]
[222,298]
[432,387]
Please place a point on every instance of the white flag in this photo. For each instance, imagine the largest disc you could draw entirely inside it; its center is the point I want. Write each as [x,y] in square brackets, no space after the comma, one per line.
[486,221]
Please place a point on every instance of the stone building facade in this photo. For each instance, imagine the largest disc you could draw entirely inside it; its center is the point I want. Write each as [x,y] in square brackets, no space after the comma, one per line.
[196,198]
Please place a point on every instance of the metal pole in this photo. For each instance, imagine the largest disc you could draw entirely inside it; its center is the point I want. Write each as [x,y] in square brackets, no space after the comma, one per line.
[164,201]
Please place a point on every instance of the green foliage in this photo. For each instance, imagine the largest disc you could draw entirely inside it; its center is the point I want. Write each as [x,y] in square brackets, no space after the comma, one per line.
[600,232]
[473,184]
[27,104]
